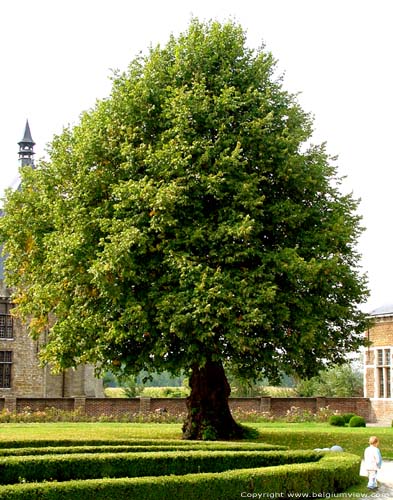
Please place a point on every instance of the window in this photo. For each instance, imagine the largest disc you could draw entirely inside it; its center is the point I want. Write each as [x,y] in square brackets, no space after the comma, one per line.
[5,369]
[6,327]
[384,373]
[6,321]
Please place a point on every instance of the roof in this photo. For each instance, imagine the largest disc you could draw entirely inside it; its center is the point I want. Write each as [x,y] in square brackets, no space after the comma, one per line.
[27,139]
[385,310]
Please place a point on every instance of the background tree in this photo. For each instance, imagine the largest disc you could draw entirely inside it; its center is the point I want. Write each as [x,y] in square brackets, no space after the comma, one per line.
[337,381]
[187,223]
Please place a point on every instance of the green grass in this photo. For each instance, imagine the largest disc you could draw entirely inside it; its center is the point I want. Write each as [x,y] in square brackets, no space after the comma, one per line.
[88,430]
[295,436]
[315,435]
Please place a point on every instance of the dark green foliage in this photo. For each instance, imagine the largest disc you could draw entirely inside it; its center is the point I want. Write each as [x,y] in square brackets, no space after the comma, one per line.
[136,444]
[250,432]
[330,474]
[336,381]
[347,417]
[137,448]
[81,466]
[337,420]
[357,421]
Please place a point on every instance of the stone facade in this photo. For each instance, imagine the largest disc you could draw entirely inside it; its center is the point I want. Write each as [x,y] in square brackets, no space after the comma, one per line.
[378,364]
[20,372]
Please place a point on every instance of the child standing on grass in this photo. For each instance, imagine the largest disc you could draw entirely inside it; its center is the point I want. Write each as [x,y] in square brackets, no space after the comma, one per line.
[373,462]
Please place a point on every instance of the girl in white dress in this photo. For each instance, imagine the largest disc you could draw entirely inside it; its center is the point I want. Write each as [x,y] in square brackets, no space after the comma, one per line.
[373,461]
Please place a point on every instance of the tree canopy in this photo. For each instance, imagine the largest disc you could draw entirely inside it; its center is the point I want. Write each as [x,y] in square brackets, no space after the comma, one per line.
[188,219]
[344,381]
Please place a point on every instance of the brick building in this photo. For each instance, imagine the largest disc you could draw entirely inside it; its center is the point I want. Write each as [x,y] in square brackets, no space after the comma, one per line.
[20,373]
[378,365]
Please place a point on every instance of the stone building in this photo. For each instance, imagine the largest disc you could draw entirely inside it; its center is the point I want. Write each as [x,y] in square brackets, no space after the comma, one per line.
[20,372]
[378,365]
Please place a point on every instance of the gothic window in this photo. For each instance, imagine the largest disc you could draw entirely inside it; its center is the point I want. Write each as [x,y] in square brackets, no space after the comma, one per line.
[5,369]
[6,321]
[384,373]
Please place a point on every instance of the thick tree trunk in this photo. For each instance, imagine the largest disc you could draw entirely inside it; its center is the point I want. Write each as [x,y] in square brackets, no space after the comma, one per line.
[209,416]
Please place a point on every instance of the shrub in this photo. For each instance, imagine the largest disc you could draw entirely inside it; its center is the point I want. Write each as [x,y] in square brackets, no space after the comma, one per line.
[93,466]
[56,446]
[337,420]
[78,447]
[330,474]
[347,417]
[357,421]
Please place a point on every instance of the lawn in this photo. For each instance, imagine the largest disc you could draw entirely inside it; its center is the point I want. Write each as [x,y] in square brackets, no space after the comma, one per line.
[293,435]
[88,430]
[316,435]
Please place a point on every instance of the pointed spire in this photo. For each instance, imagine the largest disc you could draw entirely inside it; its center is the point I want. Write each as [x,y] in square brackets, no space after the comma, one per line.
[26,148]
[27,135]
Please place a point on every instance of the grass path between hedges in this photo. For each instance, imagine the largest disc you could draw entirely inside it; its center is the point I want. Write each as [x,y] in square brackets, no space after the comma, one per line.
[295,436]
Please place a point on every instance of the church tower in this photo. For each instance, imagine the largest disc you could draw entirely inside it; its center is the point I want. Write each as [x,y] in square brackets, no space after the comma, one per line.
[26,148]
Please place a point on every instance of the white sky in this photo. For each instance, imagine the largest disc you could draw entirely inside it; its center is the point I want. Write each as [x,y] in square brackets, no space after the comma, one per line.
[56,59]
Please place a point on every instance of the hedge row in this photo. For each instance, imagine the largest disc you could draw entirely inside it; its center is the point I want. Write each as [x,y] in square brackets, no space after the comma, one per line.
[333,473]
[38,443]
[63,450]
[91,466]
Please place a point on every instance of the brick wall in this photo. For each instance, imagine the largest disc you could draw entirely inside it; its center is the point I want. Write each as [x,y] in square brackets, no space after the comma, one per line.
[378,360]
[39,404]
[112,406]
[276,406]
[246,404]
[381,333]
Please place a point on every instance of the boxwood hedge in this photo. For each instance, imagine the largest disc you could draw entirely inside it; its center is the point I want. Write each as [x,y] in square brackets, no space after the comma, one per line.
[90,466]
[332,473]
[213,446]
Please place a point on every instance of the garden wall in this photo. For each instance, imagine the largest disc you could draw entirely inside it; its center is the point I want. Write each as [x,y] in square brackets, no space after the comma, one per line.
[122,406]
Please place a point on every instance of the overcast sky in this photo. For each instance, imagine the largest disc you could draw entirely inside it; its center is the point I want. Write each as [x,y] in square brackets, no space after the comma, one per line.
[56,60]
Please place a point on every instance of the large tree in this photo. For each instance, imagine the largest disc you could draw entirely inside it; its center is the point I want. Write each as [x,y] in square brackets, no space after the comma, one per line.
[187,223]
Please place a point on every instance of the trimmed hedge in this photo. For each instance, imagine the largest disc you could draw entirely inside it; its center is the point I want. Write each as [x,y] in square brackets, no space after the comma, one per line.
[44,443]
[337,420]
[64,450]
[333,473]
[357,421]
[347,417]
[91,466]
